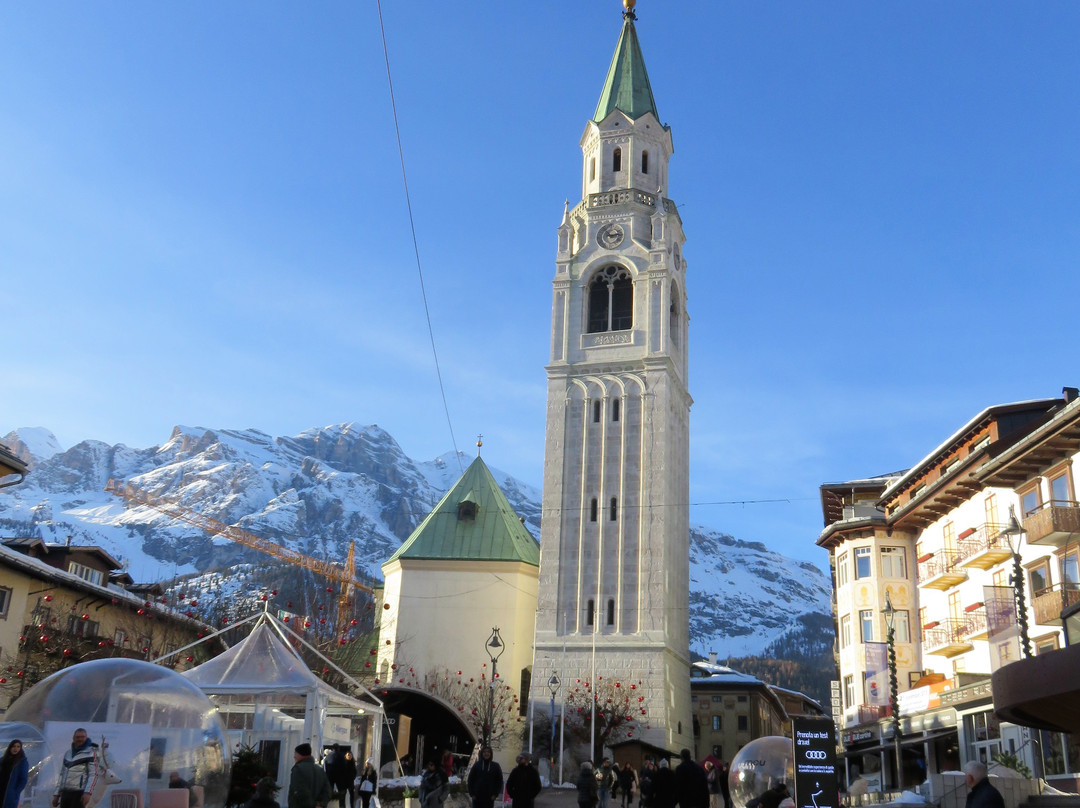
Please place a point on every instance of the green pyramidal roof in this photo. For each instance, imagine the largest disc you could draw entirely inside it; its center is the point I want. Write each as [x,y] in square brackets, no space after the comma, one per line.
[627,86]
[485,529]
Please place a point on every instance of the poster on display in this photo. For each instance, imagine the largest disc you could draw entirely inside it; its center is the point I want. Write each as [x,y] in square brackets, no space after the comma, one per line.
[814,745]
[123,760]
[877,673]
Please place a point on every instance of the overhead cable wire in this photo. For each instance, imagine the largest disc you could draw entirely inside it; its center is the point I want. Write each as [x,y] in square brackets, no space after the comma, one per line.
[416,245]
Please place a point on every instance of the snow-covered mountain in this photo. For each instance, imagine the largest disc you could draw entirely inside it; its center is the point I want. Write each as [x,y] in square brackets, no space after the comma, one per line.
[318,490]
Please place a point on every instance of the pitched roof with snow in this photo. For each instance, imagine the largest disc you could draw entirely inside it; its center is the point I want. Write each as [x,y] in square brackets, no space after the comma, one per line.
[473,522]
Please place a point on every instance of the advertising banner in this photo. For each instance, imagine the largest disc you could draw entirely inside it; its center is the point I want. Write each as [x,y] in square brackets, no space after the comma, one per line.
[814,744]
[877,673]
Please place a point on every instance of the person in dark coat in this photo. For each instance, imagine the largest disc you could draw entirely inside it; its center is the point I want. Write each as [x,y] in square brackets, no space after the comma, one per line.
[645,784]
[691,785]
[770,798]
[14,772]
[627,781]
[485,780]
[523,785]
[981,794]
[663,787]
[265,790]
[587,793]
[348,777]
[434,786]
[309,786]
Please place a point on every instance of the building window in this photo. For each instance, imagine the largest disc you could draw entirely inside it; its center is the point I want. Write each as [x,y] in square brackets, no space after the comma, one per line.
[590,612]
[593,508]
[948,536]
[845,631]
[842,573]
[718,699]
[893,562]
[901,626]
[849,691]
[1039,576]
[86,573]
[611,611]
[119,638]
[592,168]
[466,511]
[1070,568]
[866,623]
[990,509]
[611,300]
[613,509]
[741,699]
[983,734]
[1000,577]
[645,162]
[5,602]
[744,723]
[863,560]
[716,723]
[1059,490]
[596,412]
[1045,645]
[616,159]
[1030,501]
[615,410]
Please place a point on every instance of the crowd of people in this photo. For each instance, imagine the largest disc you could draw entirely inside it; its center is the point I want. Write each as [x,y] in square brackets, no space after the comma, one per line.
[689,785]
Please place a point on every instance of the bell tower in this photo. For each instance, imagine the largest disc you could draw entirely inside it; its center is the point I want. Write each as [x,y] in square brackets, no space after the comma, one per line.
[614,568]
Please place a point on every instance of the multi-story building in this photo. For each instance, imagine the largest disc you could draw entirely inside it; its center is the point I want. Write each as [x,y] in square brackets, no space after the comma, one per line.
[933,539]
[730,709]
[60,604]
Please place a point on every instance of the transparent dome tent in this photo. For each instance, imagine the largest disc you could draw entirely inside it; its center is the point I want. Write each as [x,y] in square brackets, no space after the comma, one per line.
[145,720]
[270,700]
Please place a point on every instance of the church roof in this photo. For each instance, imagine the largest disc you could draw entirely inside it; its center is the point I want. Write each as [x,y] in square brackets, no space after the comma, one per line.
[627,86]
[473,522]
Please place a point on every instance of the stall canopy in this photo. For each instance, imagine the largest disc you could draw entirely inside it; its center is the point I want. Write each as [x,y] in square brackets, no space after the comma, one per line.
[264,674]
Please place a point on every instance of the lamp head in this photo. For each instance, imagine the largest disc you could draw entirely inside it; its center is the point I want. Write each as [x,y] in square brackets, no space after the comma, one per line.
[1013,529]
[553,685]
[889,611]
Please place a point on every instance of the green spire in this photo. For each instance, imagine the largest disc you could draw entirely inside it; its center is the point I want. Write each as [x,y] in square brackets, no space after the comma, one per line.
[627,86]
[473,522]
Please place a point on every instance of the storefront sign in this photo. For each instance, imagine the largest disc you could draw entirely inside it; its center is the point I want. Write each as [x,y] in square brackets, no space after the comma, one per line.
[814,744]
[858,736]
[976,692]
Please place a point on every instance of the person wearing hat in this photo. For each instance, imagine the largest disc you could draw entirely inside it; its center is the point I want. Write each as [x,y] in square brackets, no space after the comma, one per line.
[485,780]
[309,786]
[523,784]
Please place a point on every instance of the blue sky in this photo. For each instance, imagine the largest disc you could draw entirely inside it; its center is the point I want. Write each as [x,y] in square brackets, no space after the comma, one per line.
[202,221]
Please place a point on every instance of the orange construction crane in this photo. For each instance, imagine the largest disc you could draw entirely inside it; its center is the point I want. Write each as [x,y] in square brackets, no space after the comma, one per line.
[346,576]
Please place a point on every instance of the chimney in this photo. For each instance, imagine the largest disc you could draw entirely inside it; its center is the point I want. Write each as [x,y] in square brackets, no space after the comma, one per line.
[68,542]
[1070,394]
[712,657]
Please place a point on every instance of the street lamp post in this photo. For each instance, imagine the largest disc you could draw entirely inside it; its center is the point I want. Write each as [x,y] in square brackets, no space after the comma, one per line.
[894,696]
[495,648]
[1014,534]
[553,686]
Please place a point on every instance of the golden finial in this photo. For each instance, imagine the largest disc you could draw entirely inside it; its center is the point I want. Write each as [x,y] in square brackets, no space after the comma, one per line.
[479,444]
[629,6]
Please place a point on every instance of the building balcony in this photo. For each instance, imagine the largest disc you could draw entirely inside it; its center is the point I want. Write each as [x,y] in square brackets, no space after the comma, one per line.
[946,638]
[973,625]
[1053,523]
[1048,604]
[942,570]
[984,546]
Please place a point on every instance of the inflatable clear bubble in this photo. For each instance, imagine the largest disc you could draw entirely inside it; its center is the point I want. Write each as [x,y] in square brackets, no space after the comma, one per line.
[762,765]
[147,722]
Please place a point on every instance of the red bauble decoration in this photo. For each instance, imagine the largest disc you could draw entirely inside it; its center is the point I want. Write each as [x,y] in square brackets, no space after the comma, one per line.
[388,642]
[148,604]
[325,671]
[386,605]
[273,591]
[354,622]
[322,619]
[307,624]
[374,652]
[263,597]
[3,681]
[101,644]
[367,664]
[44,638]
[48,598]
[285,619]
[85,616]
[67,652]
[288,605]
[190,658]
[20,674]
[329,589]
[393,667]
[194,603]
[140,611]
[146,649]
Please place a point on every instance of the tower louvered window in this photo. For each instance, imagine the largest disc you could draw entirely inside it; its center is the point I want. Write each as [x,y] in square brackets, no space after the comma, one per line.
[611,300]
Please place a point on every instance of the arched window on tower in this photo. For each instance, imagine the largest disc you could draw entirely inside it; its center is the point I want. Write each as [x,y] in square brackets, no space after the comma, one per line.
[596,411]
[616,159]
[615,409]
[611,300]
[592,169]
[673,316]
[590,612]
[611,611]
[645,162]
[593,510]
[613,509]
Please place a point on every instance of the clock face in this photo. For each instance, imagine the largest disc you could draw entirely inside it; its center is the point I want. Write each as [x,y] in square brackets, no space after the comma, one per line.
[610,236]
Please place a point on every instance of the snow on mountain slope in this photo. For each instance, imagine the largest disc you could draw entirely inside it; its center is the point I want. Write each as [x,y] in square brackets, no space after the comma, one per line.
[32,444]
[317,491]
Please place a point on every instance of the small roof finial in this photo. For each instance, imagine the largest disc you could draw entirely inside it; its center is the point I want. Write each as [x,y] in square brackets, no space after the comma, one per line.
[629,6]
[479,444]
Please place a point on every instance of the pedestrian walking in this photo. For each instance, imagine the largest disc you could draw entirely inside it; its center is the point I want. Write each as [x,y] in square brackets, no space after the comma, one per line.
[368,782]
[627,781]
[981,793]
[309,787]
[691,785]
[587,792]
[523,785]
[605,778]
[78,773]
[664,787]
[14,772]
[434,786]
